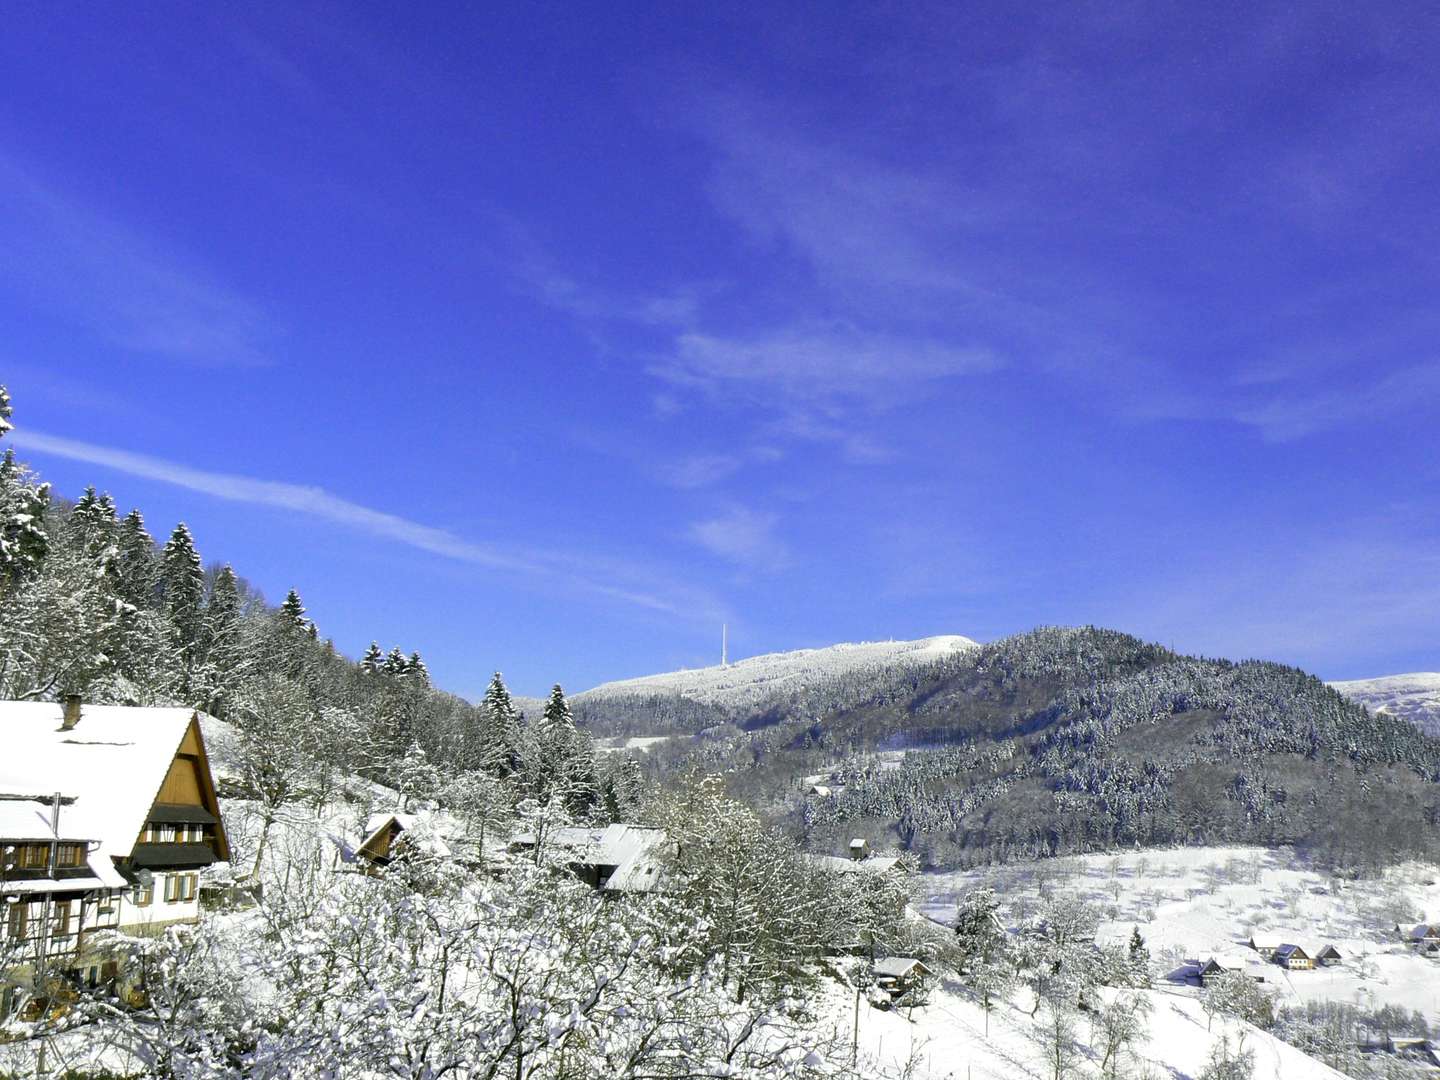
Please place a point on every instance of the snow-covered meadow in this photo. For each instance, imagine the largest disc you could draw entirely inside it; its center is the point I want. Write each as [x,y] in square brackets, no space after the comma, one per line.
[1194,903]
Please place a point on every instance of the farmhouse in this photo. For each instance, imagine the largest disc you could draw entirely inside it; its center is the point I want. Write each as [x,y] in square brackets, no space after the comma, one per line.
[1329,956]
[1265,944]
[1424,939]
[1294,958]
[615,859]
[107,816]
[1217,966]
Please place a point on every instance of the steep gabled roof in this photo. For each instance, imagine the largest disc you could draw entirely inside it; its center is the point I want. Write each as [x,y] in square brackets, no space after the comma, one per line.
[110,766]
[419,832]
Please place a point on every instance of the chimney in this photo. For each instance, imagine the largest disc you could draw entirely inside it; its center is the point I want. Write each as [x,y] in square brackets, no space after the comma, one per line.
[72,712]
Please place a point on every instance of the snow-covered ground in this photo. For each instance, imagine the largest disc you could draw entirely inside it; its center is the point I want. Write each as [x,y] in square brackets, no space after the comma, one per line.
[635,742]
[1194,903]
[1414,697]
[946,1040]
[750,681]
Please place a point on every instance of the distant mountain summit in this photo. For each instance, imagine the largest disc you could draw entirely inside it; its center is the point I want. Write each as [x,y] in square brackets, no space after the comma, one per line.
[749,682]
[761,690]
[1414,697]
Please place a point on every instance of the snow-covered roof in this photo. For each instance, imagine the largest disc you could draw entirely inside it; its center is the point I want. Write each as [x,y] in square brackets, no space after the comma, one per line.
[1266,942]
[111,764]
[876,864]
[1289,949]
[30,818]
[897,967]
[419,832]
[1425,930]
[635,852]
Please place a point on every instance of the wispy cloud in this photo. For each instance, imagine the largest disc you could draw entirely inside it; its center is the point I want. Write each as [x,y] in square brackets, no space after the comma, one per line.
[743,536]
[613,580]
[851,218]
[827,362]
[1294,412]
[131,291]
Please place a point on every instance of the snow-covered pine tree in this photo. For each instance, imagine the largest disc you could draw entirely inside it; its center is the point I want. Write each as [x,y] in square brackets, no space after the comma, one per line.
[499,735]
[395,663]
[373,660]
[415,669]
[183,578]
[136,561]
[292,613]
[224,652]
[23,539]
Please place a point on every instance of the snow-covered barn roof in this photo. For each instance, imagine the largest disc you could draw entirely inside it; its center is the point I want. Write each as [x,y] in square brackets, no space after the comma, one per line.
[876,864]
[897,967]
[635,852]
[109,768]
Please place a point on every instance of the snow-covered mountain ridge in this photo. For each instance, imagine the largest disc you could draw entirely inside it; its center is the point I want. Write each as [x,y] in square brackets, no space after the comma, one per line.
[1414,697]
[758,678]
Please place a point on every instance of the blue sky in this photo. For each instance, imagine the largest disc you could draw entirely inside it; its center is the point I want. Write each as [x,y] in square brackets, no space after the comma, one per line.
[548,337]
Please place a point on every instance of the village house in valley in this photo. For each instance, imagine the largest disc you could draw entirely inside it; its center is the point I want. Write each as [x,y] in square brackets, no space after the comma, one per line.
[107,816]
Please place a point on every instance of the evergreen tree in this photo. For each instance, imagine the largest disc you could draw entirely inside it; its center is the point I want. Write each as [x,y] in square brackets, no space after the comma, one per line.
[224,646]
[557,725]
[415,669]
[183,580]
[566,762]
[395,663]
[1139,957]
[23,539]
[500,734]
[136,562]
[373,660]
[292,614]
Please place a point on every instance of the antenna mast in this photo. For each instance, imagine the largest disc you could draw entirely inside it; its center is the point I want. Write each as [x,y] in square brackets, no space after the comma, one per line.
[724,645]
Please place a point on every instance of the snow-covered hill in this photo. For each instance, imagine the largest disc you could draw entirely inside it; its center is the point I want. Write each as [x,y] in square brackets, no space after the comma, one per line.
[1414,697]
[759,678]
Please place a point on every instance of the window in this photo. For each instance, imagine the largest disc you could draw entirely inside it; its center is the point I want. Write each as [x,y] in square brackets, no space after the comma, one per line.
[18,919]
[106,904]
[69,855]
[144,895]
[180,888]
[62,918]
[35,856]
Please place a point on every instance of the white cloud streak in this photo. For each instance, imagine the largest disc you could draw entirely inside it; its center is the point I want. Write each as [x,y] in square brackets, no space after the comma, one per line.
[555,569]
[743,536]
[131,291]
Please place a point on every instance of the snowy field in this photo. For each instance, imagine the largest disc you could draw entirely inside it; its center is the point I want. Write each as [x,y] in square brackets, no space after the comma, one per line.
[946,1040]
[1194,903]
[635,742]
[751,681]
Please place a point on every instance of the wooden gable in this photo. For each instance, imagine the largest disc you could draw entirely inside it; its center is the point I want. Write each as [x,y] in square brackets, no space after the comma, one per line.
[380,846]
[189,783]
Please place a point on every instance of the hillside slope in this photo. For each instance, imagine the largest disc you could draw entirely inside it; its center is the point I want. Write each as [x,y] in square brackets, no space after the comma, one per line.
[804,682]
[1414,697]
[1068,740]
